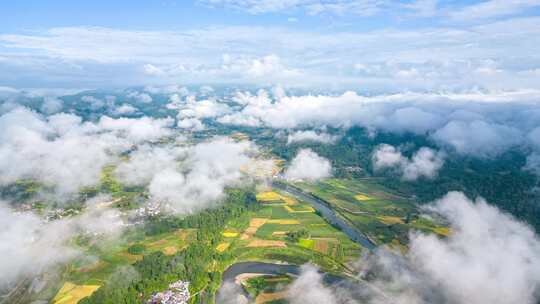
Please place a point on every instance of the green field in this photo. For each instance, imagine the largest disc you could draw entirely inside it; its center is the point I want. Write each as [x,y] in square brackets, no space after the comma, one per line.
[258,235]
[328,247]
[384,216]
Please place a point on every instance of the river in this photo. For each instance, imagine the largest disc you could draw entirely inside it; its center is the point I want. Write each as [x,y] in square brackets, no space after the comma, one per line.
[279,269]
[356,289]
[328,213]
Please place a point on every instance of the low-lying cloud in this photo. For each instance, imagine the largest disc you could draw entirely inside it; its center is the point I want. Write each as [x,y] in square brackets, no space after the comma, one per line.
[311,136]
[477,124]
[309,288]
[308,165]
[64,152]
[30,245]
[188,178]
[424,163]
[490,257]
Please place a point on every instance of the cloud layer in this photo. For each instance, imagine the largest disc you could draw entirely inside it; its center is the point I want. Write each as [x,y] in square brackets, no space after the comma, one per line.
[64,152]
[479,124]
[190,178]
[497,54]
[30,245]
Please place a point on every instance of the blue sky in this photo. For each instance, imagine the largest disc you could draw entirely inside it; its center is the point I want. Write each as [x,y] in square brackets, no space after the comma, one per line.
[375,45]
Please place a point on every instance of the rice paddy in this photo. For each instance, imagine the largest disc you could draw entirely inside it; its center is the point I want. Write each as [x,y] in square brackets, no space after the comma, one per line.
[269,196]
[71,293]
[230,234]
[222,247]
[266,243]
[381,214]
[362,197]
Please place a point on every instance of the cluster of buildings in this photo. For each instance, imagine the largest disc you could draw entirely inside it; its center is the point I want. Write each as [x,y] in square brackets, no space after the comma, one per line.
[151,209]
[178,293]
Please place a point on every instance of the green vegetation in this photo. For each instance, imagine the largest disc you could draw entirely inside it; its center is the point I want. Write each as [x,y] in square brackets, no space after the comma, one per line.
[267,287]
[136,249]
[384,216]
[501,181]
[295,236]
[195,263]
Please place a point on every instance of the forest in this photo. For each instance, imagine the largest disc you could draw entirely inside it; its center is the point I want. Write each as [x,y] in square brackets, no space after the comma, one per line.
[156,270]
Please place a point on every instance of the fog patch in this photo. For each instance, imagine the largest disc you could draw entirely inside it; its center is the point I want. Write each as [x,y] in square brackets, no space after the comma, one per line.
[51,105]
[63,152]
[190,178]
[424,163]
[307,165]
[478,137]
[490,257]
[29,245]
[231,293]
[309,288]
[311,136]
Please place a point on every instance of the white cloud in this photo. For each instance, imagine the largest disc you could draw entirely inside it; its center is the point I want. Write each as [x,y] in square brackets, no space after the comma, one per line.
[64,152]
[478,137]
[269,66]
[469,123]
[152,70]
[124,109]
[307,165]
[137,129]
[140,97]
[192,124]
[424,163]
[441,58]
[311,7]
[302,136]
[51,105]
[189,179]
[193,108]
[493,9]
[148,161]
[489,257]
[94,102]
[30,245]
[231,293]
[309,288]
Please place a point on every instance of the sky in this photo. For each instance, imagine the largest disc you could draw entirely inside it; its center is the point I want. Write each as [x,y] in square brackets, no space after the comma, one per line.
[364,45]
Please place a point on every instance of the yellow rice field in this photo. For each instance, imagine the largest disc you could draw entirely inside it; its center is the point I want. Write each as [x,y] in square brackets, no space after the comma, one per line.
[72,294]
[222,247]
[390,220]
[230,234]
[266,243]
[169,250]
[307,209]
[362,197]
[254,225]
[444,231]
[268,196]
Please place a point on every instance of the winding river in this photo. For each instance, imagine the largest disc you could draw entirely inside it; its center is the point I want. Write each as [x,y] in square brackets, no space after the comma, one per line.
[330,215]
[357,289]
